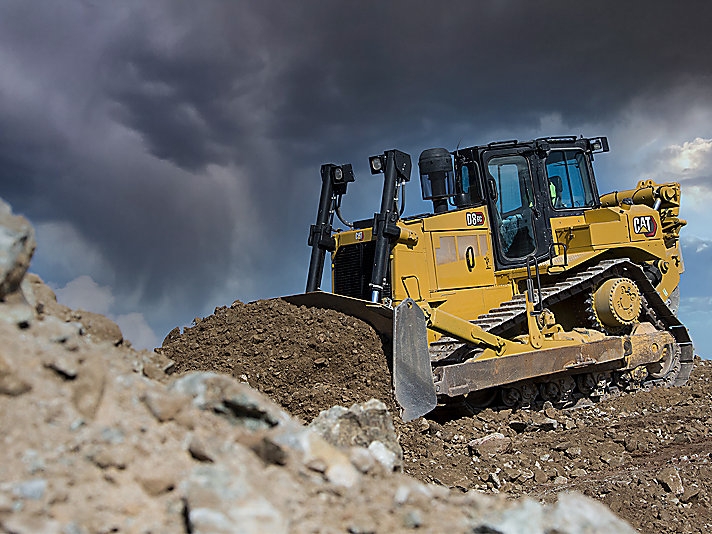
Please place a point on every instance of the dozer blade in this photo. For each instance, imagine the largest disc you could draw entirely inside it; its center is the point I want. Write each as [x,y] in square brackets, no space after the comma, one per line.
[412,374]
[380,317]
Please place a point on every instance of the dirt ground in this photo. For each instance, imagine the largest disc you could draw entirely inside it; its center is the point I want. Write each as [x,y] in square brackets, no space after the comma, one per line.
[646,454]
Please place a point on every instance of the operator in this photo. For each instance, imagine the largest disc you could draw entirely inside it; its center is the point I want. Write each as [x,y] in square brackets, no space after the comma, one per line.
[555,189]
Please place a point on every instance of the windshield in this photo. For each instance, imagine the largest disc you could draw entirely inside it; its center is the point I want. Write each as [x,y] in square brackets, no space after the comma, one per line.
[569,182]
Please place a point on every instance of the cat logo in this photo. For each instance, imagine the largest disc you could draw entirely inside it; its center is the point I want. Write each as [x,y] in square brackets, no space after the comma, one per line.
[475,219]
[645,225]
[359,236]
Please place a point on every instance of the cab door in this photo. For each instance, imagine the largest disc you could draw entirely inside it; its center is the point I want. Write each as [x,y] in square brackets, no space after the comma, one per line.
[519,229]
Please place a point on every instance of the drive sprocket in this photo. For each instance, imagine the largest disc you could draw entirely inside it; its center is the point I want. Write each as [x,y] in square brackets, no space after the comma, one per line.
[615,305]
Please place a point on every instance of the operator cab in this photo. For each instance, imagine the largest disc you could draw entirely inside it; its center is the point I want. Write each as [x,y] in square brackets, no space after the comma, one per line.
[524,185]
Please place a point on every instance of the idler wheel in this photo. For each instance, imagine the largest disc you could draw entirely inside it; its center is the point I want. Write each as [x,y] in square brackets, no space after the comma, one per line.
[617,303]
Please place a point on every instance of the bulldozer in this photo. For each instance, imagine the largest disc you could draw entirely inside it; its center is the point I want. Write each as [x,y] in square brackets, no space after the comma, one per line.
[523,285]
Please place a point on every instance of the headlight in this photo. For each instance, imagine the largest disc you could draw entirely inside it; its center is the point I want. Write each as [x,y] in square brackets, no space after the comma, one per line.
[376,164]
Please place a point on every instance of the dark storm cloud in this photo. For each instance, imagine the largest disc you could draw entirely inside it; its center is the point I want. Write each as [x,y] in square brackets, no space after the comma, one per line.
[337,73]
[183,140]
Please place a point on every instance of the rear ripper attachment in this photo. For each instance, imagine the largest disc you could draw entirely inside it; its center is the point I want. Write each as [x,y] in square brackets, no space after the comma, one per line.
[523,285]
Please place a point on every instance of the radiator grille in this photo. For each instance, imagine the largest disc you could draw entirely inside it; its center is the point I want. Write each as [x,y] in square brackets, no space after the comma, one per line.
[353,265]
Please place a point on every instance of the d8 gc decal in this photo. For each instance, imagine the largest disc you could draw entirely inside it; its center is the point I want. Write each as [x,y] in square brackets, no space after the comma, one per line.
[475,219]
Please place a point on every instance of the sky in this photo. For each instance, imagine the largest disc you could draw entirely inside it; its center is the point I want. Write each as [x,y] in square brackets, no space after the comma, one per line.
[168,152]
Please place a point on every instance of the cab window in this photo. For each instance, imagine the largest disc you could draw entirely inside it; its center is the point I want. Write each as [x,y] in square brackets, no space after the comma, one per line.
[514,224]
[568,180]
[467,184]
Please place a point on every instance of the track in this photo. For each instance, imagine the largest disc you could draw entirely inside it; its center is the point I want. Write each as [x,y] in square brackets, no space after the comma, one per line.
[509,319]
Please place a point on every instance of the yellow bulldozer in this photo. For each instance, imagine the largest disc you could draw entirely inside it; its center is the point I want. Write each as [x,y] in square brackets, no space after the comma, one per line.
[523,286]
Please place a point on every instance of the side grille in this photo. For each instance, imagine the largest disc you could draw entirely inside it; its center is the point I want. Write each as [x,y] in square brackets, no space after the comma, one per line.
[353,265]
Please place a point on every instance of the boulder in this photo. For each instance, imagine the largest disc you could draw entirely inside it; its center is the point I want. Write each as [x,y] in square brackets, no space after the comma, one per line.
[368,425]
[235,401]
[495,443]
[17,244]
[670,479]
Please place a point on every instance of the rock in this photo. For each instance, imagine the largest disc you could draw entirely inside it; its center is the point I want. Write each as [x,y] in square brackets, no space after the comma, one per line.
[362,425]
[269,451]
[88,388]
[117,456]
[519,426]
[690,494]
[362,459]
[401,495]
[22,524]
[154,365]
[525,474]
[423,424]
[362,526]
[492,444]
[412,519]
[342,474]
[172,336]
[164,406]
[228,398]
[157,480]
[219,500]
[670,479]
[11,383]
[386,457]
[546,424]
[631,443]
[44,300]
[15,309]
[575,514]
[17,244]
[510,473]
[65,364]
[573,452]
[560,480]
[200,450]
[30,489]
[537,423]
[57,331]
[98,327]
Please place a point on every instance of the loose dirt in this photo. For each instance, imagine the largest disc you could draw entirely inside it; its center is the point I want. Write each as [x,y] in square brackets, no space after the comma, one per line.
[306,359]
[646,454]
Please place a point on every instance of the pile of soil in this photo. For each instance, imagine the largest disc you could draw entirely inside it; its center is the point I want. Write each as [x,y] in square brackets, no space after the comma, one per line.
[644,454]
[306,359]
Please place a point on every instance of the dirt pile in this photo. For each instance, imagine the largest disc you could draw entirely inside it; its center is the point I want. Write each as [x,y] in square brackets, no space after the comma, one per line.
[306,359]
